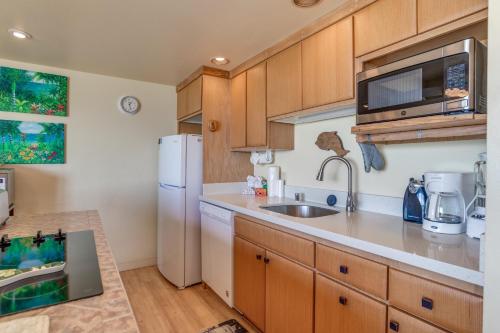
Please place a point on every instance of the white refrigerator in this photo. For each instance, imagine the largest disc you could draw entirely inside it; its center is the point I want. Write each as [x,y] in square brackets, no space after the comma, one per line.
[179,188]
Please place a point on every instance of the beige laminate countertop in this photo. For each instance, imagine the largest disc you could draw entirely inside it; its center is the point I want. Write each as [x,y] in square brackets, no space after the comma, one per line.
[456,256]
[109,312]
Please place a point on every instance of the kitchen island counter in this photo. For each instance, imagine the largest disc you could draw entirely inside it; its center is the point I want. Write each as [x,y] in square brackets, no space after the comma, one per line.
[109,312]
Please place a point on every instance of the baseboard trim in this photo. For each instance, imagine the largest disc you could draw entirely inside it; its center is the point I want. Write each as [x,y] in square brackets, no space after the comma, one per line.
[133,264]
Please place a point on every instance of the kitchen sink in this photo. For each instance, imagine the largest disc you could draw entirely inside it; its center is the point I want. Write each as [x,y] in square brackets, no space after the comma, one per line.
[304,211]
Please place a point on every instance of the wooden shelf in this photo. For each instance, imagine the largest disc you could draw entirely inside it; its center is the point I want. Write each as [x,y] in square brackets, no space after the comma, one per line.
[424,129]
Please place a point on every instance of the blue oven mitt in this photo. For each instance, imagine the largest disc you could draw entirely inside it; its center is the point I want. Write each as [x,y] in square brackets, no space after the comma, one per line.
[371,157]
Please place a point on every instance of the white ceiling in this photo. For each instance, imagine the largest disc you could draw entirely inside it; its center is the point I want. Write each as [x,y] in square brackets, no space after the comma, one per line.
[150,40]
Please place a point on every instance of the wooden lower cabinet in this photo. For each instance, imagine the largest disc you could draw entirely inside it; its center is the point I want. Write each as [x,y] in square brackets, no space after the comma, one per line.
[289,296]
[286,282]
[340,309]
[446,307]
[401,322]
[250,281]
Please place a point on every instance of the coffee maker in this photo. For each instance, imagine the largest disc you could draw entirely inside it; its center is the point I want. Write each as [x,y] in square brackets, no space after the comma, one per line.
[449,193]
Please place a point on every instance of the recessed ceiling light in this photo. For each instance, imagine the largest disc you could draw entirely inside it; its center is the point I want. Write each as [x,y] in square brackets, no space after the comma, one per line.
[305,3]
[219,61]
[19,34]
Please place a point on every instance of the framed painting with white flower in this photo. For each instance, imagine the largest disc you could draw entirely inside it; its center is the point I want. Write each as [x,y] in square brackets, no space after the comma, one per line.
[26,142]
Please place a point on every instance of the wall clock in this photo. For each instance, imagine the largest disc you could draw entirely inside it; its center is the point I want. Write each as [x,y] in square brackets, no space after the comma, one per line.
[129,104]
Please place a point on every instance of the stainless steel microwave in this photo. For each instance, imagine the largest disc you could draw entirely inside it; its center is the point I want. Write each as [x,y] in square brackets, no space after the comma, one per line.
[450,79]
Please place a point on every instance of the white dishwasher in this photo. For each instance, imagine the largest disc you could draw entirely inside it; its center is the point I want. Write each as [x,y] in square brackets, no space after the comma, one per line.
[217,250]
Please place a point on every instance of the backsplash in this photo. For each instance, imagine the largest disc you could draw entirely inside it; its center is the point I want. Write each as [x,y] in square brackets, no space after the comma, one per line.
[299,167]
[366,202]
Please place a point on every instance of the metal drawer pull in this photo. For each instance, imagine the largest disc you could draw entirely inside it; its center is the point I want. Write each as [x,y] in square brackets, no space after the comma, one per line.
[394,326]
[427,303]
[342,300]
[344,269]
[258,256]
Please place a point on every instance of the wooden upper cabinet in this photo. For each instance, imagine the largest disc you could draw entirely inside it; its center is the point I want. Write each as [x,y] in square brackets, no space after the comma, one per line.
[237,130]
[289,296]
[194,95]
[189,99]
[250,281]
[249,126]
[328,65]
[343,310]
[384,22]
[182,101]
[432,13]
[284,82]
[256,127]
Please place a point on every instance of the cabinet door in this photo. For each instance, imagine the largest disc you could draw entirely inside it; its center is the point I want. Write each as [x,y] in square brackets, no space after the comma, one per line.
[182,108]
[289,296]
[432,13]
[402,323]
[250,281]
[284,82]
[256,127]
[343,310]
[328,65]
[237,130]
[194,96]
[382,23]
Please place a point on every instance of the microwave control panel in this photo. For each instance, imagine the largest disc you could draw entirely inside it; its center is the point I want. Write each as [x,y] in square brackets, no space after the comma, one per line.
[456,77]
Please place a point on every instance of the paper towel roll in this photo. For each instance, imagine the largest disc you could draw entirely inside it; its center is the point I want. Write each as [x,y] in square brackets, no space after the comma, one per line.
[273,173]
[271,188]
[280,188]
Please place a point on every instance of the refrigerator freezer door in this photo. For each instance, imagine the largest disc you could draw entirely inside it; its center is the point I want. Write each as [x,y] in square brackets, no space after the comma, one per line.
[172,160]
[171,233]
[194,186]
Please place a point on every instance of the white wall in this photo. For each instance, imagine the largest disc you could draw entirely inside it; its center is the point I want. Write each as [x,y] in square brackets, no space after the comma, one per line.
[299,167]
[492,273]
[111,160]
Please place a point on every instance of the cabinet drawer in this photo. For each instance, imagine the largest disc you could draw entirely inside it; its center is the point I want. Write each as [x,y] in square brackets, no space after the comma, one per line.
[444,306]
[294,247]
[341,309]
[402,323]
[361,273]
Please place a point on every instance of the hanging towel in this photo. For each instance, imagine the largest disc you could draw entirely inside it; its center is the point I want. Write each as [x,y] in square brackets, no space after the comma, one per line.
[371,157]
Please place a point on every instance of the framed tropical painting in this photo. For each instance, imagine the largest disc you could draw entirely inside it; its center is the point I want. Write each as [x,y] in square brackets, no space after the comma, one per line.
[33,92]
[25,142]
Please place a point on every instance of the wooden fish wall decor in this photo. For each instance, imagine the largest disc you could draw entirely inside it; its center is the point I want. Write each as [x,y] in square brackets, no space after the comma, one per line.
[331,141]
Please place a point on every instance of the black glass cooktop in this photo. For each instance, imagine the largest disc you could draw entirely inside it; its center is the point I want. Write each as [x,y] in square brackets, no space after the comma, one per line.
[80,278]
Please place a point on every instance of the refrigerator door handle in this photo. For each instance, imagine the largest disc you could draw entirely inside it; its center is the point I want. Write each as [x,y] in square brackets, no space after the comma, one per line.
[169,187]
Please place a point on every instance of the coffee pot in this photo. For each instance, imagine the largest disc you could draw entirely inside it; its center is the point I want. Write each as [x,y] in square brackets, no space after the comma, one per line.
[448,195]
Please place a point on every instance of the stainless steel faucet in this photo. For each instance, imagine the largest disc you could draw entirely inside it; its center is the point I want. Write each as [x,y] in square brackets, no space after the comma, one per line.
[350,206]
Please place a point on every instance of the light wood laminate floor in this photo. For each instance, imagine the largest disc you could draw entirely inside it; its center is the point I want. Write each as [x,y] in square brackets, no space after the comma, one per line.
[160,307]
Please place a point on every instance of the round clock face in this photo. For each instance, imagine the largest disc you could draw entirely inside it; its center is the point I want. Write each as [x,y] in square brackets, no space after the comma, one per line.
[129,104]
